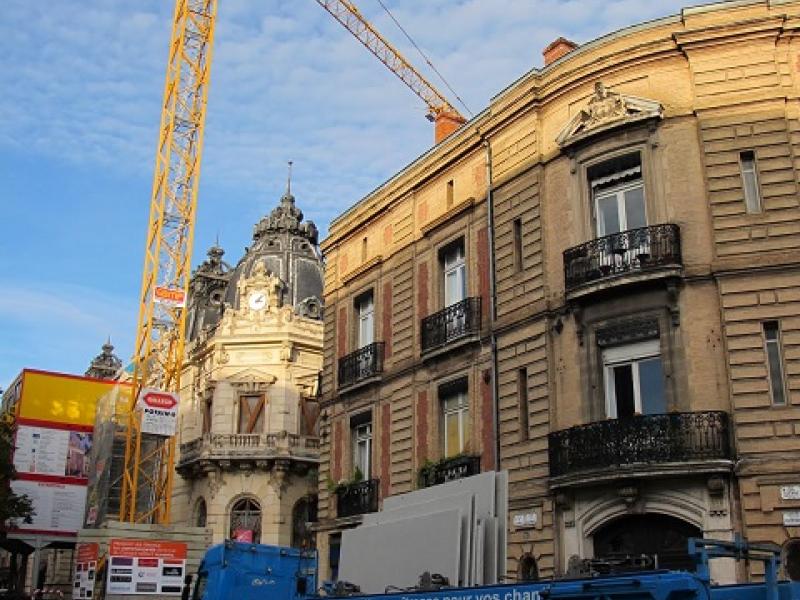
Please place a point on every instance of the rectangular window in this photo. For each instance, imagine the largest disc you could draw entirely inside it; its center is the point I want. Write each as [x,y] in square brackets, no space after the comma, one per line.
[455,273]
[634,380]
[455,418]
[251,414]
[364,244]
[618,197]
[365,312]
[208,409]
[522,394]
[450,194]
[361,434]
[752,196]
[772,341]
[518,245]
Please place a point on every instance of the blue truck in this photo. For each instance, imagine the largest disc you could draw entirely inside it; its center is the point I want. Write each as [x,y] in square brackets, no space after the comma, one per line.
[238,571]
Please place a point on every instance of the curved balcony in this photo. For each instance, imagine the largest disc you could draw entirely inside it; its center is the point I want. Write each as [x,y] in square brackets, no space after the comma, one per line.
[457,323]
[245,450]
[362,366]
[646,444]
[624,256]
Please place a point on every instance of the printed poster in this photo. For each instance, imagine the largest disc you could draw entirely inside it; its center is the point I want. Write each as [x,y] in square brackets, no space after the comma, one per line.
[56,452]
[59,506]
[146,567]
[85,570]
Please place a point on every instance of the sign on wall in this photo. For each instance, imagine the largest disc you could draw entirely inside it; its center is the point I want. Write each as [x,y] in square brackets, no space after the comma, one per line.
[58,506]
[146,567]
[159,411]
[86,554]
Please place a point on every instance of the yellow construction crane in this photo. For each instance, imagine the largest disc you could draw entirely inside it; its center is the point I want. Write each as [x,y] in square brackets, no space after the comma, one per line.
[442,112]
[158,353]
[149,459]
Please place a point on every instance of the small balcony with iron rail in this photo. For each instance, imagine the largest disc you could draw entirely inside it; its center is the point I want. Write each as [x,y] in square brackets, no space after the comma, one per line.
[451,327]
[449,469]
[353,499]
[243,451]
[676,443]
[621,258]
[362,367]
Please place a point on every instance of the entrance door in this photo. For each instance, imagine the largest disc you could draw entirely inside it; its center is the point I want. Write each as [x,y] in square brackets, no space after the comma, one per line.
[661,537]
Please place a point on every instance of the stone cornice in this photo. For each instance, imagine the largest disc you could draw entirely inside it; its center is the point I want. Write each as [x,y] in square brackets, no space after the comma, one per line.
[372,262]
[433,225]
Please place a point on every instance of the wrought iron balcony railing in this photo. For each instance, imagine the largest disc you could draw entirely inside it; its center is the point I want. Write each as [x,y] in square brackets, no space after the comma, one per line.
[631,251]
[364,363]
[648,439]
[357,498]
[449,469]
[453,323]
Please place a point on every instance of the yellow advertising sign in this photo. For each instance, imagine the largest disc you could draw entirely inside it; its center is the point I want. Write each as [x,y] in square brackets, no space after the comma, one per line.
[58,398]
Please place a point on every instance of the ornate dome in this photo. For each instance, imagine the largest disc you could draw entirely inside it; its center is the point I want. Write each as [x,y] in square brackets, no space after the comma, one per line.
[286,247]
[105,365]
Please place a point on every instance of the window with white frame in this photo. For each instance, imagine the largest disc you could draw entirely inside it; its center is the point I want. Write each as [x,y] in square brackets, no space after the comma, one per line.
[618,197]
[772,342]
[455,273]
[365,309]
[752,195]
[361,432]
[455,418]
[634,380]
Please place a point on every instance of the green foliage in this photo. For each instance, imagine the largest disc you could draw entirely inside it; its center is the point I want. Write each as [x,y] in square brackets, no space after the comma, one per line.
[358,476]
[13,507]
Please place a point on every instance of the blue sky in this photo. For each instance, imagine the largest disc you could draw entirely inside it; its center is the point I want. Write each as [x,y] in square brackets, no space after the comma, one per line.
[80,89]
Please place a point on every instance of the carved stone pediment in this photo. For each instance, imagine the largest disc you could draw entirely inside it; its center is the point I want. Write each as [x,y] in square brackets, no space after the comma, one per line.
[251,379]
[607,110]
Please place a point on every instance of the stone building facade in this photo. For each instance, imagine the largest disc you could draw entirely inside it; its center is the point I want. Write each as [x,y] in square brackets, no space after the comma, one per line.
[594,285]
[247,423]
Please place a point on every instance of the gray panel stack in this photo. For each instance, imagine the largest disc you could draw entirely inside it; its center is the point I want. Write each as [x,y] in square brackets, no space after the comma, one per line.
[456,529]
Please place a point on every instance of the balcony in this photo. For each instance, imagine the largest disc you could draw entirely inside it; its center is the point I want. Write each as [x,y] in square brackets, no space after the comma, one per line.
[357,498]
[361,366]
[245,451]
[628,255]
[648,444]
[458,322]
[449,469]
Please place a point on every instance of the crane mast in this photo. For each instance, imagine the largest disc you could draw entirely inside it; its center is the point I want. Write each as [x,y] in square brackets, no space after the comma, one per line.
[160,333]
[351,19]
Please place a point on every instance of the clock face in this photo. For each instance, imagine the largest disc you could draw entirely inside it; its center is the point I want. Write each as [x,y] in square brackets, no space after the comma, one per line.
[257,300]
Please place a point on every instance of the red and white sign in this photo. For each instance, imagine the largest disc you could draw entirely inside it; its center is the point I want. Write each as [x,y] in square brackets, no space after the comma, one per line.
[85,570]
[146,567]
[159,411]
[243,535]
[169,296]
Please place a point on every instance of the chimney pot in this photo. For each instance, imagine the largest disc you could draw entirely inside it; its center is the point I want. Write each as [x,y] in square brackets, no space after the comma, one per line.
[446,123]
[557,49]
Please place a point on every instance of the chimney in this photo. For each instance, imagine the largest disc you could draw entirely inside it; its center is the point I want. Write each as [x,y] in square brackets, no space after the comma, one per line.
[446,123]
[557,49]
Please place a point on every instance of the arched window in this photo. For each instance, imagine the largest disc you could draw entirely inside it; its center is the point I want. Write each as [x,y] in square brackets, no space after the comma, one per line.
[527,570]
[660,537]
[303,513]
[791,559]
[246,521]
[200,513]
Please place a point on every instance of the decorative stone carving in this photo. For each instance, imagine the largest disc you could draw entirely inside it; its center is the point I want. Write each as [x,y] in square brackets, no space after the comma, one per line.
[607,110]
[106,364]
[627,331]
[629,494]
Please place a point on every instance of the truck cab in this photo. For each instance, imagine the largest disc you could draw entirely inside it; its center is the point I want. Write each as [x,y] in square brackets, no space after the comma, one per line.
[242,571]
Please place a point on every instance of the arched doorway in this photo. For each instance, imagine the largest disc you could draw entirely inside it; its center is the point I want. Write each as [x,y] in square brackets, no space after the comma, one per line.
[246,521]
[303,513]
[527,569]
[659,536]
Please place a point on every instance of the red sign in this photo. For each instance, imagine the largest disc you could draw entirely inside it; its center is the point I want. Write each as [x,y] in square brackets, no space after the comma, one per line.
[243,535]
[160,400]
[86,552]
[147,549]
[169,296]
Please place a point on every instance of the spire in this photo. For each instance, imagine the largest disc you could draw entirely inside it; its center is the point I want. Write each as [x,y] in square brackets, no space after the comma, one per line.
[106,364]
[289,181]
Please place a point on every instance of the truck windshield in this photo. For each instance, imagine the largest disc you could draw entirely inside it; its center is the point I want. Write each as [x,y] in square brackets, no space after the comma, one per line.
[200,586]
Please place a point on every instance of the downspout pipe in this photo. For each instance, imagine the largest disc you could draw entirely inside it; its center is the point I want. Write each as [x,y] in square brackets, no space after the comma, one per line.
[492,302]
